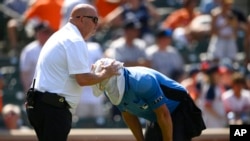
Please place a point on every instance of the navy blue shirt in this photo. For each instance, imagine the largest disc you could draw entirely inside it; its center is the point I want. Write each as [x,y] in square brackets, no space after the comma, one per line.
[143,93]
[141,14]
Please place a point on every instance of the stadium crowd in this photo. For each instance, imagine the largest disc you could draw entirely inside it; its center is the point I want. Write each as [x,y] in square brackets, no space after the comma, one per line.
[203,44]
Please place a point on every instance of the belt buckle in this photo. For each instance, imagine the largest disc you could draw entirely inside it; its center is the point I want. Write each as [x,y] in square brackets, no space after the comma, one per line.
[61,99]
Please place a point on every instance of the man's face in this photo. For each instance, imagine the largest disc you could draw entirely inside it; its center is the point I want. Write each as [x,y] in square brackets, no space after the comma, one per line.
[88,23]
[43,35]
[132,32]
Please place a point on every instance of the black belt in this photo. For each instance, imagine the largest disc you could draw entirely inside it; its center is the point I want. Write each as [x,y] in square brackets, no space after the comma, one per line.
[52,99]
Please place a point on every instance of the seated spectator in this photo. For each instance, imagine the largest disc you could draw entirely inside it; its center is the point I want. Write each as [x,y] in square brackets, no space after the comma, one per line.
[213,110]
[11,115]
[129,48]
[173,65]
[236,100]
[41,10]
[29,54]
[141,10]
[193,84]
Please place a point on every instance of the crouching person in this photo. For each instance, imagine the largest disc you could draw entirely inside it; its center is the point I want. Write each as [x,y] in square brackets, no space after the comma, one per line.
[141,92]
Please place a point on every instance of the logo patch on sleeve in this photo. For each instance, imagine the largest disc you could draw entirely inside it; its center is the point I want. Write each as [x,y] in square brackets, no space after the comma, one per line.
[145,106]
[158,100]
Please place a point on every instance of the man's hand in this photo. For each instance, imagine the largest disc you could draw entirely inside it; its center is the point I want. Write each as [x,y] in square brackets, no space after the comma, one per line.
[111,69]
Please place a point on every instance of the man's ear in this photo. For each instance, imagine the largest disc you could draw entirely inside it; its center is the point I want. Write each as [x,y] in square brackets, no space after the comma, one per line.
[93,67]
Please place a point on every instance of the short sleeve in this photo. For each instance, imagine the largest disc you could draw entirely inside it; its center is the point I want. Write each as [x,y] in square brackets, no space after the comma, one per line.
[77,58]
[150,91]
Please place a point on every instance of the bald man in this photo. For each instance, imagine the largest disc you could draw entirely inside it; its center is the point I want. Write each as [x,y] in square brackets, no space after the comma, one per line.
[61,72]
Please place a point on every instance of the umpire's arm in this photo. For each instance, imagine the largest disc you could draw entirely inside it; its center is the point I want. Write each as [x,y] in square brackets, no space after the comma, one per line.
[165,122]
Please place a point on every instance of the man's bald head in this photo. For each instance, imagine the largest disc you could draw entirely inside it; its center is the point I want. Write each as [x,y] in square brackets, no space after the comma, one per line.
[83,9]
[85,18]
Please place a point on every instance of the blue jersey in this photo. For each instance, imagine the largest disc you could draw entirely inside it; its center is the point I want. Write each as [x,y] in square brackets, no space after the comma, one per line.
[143,93]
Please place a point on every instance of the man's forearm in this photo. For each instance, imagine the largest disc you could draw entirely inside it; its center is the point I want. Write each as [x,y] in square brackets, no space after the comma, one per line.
[166,129]
[89,79]
[134,124]
[164,120]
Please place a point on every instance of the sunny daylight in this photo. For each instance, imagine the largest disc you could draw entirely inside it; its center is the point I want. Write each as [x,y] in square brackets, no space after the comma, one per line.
[124,70]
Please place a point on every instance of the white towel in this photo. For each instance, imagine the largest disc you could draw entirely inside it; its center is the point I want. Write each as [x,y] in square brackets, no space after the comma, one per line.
[114,87]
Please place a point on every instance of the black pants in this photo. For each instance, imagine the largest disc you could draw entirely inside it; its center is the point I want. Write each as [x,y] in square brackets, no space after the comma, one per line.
[153,130]
[187,118]
[50,123]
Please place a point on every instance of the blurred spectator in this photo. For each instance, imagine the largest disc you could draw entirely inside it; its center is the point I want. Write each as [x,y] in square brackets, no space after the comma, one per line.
[185,36]
[11,115]
[30,53]
[142,11]
[129,48]
[13,10]
[187,44]
[236,100]
[67,7]
[241,17]
[247,76]
[105,7]
[224,33]
[18,6]
[181,37]
[40,10]
[236,11]
[181,17]
[173,65]
[206,6]
[247,42]
[45,10]
[213,110]
[192,84]
[174,3]
[1,91]
[200,26]
[91,109]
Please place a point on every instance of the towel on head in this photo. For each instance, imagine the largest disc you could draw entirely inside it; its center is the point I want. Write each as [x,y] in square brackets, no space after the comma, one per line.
[113,87]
